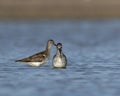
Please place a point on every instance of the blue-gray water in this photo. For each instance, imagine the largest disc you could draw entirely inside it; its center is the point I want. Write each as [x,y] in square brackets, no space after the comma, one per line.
[91,46]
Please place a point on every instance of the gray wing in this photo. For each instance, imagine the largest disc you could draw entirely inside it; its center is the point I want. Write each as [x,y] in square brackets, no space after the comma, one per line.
[64,59]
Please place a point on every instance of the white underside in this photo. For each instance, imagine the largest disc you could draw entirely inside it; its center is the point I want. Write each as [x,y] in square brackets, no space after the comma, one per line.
[35,63]
[59,63]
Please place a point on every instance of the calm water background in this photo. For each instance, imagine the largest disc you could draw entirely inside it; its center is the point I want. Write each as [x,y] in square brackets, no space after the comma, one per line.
[91,46]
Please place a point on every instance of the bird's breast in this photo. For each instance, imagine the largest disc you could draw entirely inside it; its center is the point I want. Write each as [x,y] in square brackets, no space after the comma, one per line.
[58,62]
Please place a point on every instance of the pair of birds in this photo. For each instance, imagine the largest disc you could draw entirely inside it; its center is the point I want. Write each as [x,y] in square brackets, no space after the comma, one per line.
[38,59]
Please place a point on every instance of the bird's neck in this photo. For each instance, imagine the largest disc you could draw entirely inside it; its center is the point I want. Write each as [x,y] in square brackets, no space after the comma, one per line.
[59,52]
[48,48]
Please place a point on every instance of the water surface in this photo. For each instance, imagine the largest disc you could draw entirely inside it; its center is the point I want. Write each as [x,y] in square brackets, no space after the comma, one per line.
[91,46]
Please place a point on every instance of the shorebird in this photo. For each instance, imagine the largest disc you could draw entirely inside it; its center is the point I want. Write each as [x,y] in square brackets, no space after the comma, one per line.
[40,58]
[59,59]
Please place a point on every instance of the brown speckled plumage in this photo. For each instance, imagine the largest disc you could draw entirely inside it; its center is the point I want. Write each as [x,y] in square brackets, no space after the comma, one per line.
[38,57]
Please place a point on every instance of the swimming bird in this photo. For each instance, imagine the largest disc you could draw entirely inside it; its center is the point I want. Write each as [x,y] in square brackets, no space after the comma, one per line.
[40,58]
[59,59]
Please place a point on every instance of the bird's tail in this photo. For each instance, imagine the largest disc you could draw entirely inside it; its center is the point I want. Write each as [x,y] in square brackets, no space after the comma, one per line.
[18,60]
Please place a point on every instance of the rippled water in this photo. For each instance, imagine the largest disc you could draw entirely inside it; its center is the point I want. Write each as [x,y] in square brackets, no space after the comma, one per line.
[92,48]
